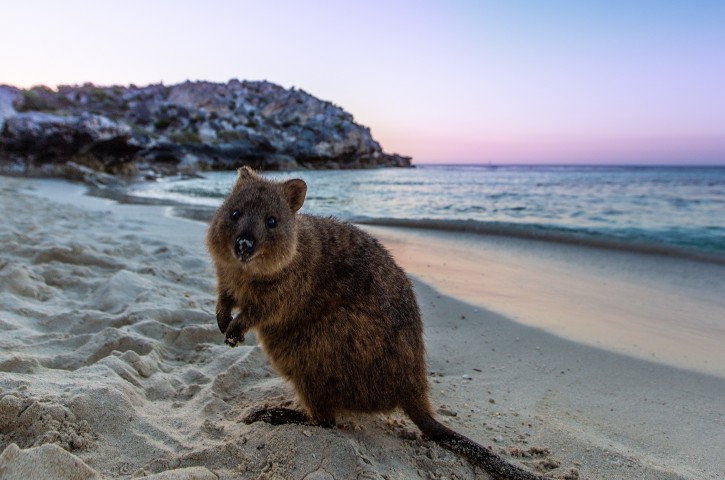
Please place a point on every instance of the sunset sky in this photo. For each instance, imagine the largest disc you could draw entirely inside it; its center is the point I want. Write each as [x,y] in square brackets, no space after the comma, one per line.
[444,81]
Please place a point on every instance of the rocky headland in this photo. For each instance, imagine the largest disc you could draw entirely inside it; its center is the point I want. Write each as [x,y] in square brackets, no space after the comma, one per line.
[88,130]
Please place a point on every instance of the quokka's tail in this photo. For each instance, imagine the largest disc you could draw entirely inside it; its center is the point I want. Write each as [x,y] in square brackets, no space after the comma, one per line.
[475,453]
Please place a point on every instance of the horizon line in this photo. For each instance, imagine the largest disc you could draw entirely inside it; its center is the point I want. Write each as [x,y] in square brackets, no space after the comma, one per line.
[583,164]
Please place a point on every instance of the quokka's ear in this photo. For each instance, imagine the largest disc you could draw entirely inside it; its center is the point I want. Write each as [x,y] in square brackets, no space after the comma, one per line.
[244,174]
[295,191]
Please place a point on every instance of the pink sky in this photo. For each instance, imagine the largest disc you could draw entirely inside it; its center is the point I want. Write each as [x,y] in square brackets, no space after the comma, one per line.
[444,82]
[666,150]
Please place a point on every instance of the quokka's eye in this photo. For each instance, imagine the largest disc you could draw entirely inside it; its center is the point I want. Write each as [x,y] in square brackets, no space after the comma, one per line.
[235,215]
[271,222]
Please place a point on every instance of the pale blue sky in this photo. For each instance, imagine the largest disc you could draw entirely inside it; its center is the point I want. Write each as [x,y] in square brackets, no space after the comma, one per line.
[445,81]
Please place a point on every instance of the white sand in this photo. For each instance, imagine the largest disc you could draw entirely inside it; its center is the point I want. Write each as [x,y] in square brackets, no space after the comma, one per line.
[111,365]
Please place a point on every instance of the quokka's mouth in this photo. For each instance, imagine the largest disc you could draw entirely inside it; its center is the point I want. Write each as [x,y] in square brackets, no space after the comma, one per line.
[244,258]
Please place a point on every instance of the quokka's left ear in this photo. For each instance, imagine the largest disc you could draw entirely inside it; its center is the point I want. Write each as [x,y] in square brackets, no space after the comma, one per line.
[295,191]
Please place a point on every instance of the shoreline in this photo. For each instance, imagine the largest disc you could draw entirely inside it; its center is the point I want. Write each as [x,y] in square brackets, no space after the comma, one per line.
[511,203]
[107,315]
[541,234]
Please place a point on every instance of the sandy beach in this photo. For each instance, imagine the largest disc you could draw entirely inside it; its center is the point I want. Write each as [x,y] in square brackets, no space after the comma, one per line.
[573,362]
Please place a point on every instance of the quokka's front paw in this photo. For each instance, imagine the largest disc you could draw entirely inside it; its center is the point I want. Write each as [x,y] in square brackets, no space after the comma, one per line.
[233,340]
[234,332]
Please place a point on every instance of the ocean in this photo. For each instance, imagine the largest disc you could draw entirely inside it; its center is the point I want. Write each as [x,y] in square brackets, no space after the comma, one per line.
[673,210]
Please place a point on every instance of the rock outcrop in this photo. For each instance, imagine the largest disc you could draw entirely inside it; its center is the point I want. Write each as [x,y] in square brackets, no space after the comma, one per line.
[158,130]
[8,96]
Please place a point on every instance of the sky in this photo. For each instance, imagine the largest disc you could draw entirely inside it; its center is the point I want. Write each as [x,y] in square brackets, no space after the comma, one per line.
[449,81]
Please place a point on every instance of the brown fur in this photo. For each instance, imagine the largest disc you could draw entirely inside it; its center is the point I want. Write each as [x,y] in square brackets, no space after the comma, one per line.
[333,312]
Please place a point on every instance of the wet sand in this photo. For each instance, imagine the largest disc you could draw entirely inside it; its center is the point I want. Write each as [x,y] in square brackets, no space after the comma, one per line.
[654,307]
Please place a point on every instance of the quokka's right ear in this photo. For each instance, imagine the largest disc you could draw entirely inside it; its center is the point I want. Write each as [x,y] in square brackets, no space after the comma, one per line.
[244,174]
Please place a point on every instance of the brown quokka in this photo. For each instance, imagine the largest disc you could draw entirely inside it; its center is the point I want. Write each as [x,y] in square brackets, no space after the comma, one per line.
[333,312]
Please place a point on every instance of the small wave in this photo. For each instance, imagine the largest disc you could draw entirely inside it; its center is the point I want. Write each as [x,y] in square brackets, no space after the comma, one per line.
[624,240]
[197,192]
[612,211]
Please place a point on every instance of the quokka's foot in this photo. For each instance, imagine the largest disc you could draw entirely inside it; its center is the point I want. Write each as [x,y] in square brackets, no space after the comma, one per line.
[277,416]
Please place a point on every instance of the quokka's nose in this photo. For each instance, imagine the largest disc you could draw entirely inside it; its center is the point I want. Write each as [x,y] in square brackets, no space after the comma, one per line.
[244,247]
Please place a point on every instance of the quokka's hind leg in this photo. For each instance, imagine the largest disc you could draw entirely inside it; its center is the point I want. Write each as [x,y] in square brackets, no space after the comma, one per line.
[282,416]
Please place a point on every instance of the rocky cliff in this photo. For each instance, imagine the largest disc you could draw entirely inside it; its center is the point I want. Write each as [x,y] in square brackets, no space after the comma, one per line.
[158,130]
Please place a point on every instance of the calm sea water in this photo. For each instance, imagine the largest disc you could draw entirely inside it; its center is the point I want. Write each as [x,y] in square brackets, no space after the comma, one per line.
[677,209]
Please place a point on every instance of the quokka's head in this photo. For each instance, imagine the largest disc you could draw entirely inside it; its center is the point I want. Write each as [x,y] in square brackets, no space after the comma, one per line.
[256,226]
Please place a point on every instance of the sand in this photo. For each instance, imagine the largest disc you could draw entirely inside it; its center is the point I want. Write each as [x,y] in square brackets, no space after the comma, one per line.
[112,366]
